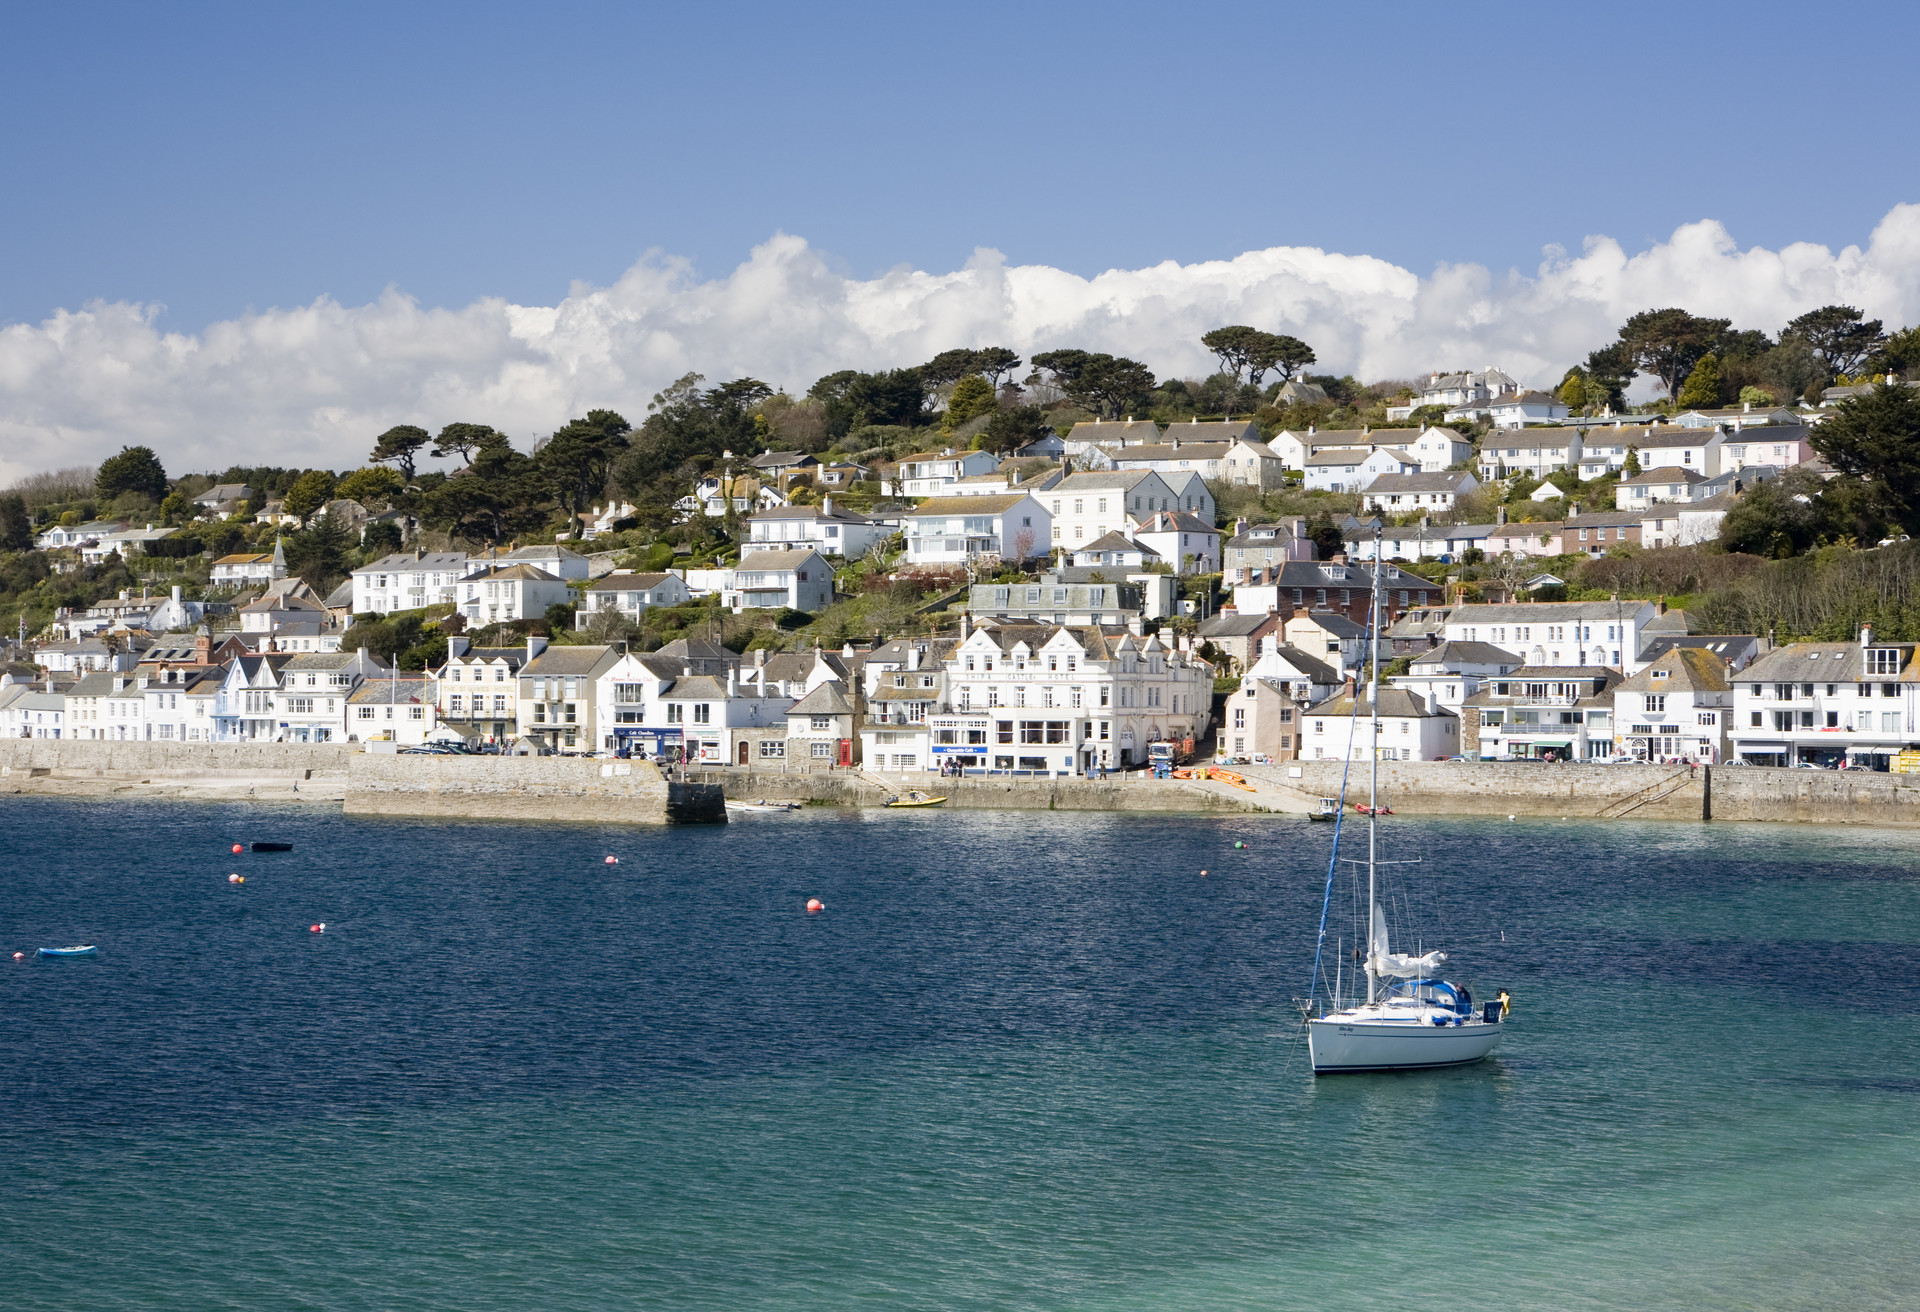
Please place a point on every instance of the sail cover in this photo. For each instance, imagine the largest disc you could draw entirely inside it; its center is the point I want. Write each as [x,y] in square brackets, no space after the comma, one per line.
[1393,965]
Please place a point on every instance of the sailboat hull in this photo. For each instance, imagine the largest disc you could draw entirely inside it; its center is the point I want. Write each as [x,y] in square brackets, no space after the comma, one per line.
[1340,1047]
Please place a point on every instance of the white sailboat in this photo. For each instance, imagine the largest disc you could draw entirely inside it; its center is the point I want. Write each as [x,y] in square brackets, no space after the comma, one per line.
[1411,1019]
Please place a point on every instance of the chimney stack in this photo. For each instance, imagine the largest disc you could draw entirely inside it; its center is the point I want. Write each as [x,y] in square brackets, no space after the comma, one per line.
[733,681]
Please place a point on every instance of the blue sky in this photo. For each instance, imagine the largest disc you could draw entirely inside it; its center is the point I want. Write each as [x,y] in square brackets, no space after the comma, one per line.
[221,158]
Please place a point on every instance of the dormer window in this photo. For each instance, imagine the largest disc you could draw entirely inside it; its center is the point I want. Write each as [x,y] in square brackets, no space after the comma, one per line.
[1883,660]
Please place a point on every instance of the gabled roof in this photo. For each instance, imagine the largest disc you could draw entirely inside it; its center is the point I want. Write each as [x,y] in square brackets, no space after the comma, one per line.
[403,690]
[1312,667]
[1395,703]
[696,688]
[1820,662]
[982,505]
[565,661]
[1460,652]
[1224,625]
[1098,480]
[520,570]
[782,460]
[697,649]
[1541,612]
[1442,481]
[1681,669]
[1665,474]
[627,582]
[1168,451]
[401,561]
[1116,541]
[815,513]
[1226,431]
[763,561]
[1333,622]
[1177,521]
[828,699]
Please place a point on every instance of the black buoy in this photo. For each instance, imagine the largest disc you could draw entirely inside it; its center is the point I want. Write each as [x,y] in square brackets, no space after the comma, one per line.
[273,847]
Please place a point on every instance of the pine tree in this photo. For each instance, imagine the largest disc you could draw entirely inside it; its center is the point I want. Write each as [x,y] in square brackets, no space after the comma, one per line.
[1702,388]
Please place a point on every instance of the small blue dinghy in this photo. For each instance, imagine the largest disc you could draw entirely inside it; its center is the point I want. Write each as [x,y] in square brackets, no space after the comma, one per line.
[86,951]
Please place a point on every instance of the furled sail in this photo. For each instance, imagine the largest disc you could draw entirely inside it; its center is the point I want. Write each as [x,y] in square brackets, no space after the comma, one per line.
[1394,965]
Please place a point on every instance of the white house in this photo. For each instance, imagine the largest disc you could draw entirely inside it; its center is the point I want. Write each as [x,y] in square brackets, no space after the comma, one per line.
[1669,446]
[311,701]
[1519,409]
[929,473]
[559,704]
[1454,389]
[1448,542]
[1452,672]
[1828,703]
[72,535]
[1101,436]
[1558,633]
[630,594]
[554,559]
[1352,469]
[29,710]
[1538,452]
[1085,506]
[1653,486]
[1739,418]
[1264,717]
[1404,494]
[1115,550]
[1679,708]
[1781,447]
[400,709]
[223,499]
[245,568]
[479,687]
[1411,729]
[956,530]
[827,529]
[409,580]
[124,542]
[1060,700]
[1439,449]
[243,708]
[798,578]
[495,594]
[1230,452]
[1540,712]
[1185,541]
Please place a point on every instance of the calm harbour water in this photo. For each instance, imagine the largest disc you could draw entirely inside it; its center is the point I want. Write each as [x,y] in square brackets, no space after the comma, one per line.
[1022,1061]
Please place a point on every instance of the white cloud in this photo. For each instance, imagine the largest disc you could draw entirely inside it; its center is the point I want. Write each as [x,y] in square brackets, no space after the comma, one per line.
[315,384]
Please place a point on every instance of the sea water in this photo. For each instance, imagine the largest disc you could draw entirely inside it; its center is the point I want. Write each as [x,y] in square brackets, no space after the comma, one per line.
[1020,1061]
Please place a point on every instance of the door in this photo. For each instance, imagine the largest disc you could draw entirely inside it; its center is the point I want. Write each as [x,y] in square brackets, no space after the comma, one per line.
[743,753]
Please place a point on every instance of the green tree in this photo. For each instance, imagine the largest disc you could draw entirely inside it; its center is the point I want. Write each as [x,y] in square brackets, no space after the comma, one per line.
[135,469]
[1767,522]
[1014,427]
[174,507]
[1899,354]
[318,553]
[309,492]
[1573,389]
[1608,372]
[996,364]
[1702,387]
[398,446]
[1839,335]
[1328,541]
[1279,353]
[1668,343]
[1632,465]
[1108,385]
[971,397]
[578,458]
[1876,437]
[373,486]
[16,527]
[463,440]
[1757,396]
[380,538]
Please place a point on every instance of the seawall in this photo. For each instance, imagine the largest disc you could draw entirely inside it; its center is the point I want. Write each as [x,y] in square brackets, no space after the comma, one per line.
[445,787]
[594,791]
[526,788]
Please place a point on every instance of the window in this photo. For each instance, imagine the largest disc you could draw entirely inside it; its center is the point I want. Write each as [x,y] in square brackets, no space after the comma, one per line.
[569,713]
[823,751]
[1706,718]
[625,692]
[1889,722]
[676,713]
[416,712]
[773,749]
[539,712]
[1656,703]
[366,712]
[702,713]
[820,723]
[1239,717]
[1756,720]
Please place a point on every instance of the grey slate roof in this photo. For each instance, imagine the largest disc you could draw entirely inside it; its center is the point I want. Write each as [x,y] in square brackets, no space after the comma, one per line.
[828,699]
[1440,481]
[1462,652]
[1395,703]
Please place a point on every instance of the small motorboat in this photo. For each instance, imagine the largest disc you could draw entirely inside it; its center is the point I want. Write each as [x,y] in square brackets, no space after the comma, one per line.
[763,806]
[914,797]
[273,847]
[1364,809]
[1328,809]
[87,951]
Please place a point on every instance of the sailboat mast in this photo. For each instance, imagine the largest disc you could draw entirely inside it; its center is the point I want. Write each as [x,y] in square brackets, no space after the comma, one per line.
[1373,763]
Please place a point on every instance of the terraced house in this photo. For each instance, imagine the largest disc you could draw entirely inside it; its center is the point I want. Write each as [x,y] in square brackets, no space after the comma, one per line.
[1061,700]
[1828,704]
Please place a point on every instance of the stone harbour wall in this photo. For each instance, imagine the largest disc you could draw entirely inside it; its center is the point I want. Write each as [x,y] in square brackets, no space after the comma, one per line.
[526,788]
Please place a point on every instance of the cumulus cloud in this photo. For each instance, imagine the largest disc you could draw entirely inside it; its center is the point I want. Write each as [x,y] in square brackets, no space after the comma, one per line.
[313,385]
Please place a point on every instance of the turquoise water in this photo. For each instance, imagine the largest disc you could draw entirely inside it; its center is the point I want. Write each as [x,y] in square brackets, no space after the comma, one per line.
[1022,1061]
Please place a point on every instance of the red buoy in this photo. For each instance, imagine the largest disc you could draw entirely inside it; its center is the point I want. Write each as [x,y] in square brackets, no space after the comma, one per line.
[19,956]
[320,928]
[237,849]
[613,860]
[814,905]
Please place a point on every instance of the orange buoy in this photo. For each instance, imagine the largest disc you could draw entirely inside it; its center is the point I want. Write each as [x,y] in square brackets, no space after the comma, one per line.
[1203,874]
[814,904]
[320,928]
[19,956]
[613,860]
[238,849]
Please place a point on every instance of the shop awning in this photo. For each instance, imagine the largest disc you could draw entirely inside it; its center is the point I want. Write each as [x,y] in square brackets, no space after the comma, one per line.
[1548,742]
